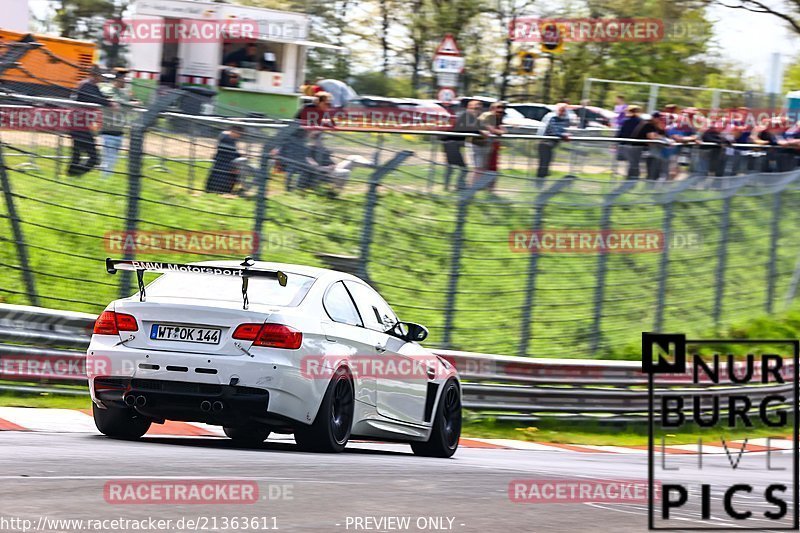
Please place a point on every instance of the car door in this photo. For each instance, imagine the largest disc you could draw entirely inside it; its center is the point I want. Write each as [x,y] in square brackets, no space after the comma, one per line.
[402,382]
[345,330]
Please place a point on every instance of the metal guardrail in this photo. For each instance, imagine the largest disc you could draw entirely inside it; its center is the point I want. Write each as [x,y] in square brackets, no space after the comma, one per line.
[53,343]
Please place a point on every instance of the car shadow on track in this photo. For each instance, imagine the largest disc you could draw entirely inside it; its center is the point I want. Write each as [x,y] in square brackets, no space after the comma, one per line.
[227,444]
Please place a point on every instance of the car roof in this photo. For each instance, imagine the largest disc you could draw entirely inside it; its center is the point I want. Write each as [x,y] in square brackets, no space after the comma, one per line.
[288,268]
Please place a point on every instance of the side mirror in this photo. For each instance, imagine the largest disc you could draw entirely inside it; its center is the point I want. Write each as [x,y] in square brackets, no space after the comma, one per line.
[409,331]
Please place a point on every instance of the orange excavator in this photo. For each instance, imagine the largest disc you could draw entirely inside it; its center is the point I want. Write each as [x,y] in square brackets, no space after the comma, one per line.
[43,65]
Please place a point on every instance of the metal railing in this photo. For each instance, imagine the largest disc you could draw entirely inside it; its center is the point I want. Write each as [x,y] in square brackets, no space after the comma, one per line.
[44,350]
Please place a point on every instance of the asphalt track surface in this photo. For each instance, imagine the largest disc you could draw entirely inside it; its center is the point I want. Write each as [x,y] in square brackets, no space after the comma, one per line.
[63,476]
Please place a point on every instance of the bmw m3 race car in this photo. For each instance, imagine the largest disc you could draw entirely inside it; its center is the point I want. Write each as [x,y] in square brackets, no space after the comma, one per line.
[260,347]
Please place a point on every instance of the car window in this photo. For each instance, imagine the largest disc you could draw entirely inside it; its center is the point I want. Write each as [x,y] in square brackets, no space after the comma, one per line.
[532,112]
[374,310]
[229,289]
[339,305]
[513,114]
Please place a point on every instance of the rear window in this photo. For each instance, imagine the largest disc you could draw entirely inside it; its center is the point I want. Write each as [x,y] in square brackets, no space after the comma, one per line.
[229,289]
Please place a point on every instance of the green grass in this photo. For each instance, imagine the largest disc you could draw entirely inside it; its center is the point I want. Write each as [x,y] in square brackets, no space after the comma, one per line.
[412,247]
[565,432]
[45,400]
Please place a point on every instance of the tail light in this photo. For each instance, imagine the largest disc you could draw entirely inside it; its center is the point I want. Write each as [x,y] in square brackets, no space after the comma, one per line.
[269,335]
[111,323]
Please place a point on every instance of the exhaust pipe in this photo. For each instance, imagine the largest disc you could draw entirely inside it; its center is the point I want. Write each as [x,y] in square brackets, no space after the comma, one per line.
[130,400]
[218,406]
[205,405]
[141,401]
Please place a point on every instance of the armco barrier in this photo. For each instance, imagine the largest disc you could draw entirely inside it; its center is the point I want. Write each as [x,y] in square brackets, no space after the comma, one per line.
[53,343]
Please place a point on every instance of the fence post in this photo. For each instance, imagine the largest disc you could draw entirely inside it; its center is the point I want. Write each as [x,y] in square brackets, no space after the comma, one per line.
[193,130]
[264,168]
[722,259]
[602,260]
[369,209]
[465,196]
[533,264]
[668,202]
[775,233]
[135,155]
[652,100]
[722,249]
[16,229]
[59,153]
[432,168]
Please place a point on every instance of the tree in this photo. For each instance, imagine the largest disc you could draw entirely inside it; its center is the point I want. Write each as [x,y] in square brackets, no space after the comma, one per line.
[82,19]
[505,11]
[670,61]
[791,78]
[788,11]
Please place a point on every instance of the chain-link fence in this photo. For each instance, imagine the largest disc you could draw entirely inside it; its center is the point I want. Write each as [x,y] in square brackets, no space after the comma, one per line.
[574,264]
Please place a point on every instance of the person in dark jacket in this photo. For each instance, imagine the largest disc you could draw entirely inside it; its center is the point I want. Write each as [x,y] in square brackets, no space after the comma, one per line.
[554,124]
[630,129]
[466,122]
[224,175]
[712,157]
[83,140]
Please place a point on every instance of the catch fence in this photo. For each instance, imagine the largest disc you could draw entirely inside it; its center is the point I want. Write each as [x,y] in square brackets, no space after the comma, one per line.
[470,261]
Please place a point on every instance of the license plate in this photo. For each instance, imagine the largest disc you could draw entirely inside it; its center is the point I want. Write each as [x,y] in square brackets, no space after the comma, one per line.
[164,332]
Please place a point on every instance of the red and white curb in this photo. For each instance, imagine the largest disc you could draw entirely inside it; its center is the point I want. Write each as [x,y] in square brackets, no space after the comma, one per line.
[79,421]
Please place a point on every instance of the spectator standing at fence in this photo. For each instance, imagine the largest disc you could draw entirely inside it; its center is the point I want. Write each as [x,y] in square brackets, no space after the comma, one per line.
[114,121]
[621,109]
[654,130]
[318,114]
[779,150]
[491,123]
[792,137]
[466,122]
[224,174]
[670,115]
[554,124]
[631,151]
[683,134]
[712,155]
[83,141]
[766,135]
[739,130]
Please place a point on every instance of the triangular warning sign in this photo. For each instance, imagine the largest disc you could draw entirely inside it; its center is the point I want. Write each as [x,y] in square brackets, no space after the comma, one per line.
[448,47]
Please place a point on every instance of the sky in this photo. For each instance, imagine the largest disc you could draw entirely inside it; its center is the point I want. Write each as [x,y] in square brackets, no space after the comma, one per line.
[744,38]
[749,39]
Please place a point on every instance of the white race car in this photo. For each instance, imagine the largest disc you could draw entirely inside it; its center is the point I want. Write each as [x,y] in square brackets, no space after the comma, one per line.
[261,347]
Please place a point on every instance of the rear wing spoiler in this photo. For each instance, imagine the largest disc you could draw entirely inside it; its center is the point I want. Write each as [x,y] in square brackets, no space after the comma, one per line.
[242,271]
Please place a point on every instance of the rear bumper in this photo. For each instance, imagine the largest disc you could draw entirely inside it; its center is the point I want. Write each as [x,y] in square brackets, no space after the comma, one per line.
[269,385]
[225,405]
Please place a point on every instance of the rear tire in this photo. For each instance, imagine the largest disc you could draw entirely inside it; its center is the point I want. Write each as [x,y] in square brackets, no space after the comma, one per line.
[251,435]
[330,431]
[120,423]
[446,431]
